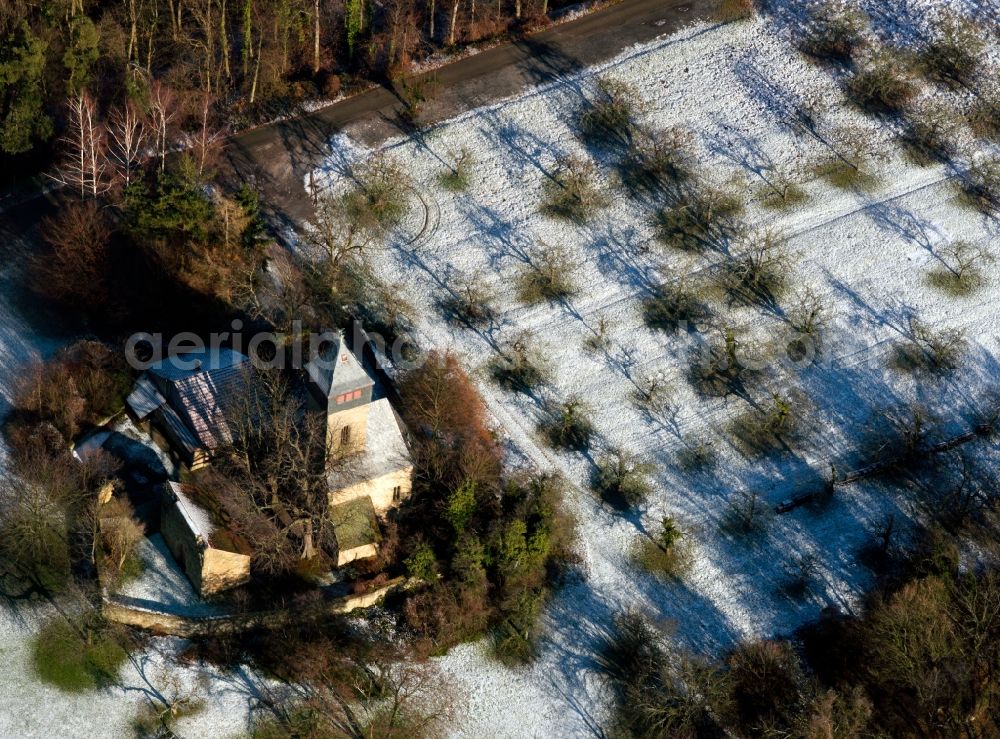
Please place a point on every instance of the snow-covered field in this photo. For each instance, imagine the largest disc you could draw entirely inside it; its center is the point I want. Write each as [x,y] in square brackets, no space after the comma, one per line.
[866,254]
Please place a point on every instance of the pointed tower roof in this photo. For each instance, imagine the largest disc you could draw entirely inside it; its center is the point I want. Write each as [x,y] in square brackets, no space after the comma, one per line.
[336,370]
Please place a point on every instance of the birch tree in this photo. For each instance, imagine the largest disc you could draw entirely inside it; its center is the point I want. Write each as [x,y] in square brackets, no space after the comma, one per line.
[127,139]
[84,165]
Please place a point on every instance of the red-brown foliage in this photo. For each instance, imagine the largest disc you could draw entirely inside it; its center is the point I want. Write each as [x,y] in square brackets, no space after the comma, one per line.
[75,271]
[443,408]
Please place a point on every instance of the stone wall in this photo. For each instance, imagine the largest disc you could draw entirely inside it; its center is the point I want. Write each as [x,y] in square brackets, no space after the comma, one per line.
[210,570]
[380,490]
[221,570]
[163,622]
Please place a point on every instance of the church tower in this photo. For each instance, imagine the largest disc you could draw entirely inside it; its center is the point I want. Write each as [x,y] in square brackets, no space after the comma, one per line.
[340,384]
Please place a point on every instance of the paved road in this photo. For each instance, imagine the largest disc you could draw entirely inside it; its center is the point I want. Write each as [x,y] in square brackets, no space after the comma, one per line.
[279,156]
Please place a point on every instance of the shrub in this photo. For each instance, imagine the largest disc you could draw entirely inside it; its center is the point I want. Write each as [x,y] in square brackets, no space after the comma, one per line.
[925,349]
[456,177]
[120,535]
[573,192]
[667,554]
[799,574]
[984,115]
[960,271]
[567,427]
[383,308]
[699,220]
[845,175]
[77,657]
[722,366]
[928,136]
[657,696]
[768,427]
[745,514]
[598,340]
[549,276]
[378,201]
[980,185]
[518,366]
[880,87]
[422,564]
[34,535]
[654,396]
[834,32]
[658,161]
[610,117]
[75,271]
[758,274]
[952,56]
[675,305]
[782,193]
[469,303]
[807,317]
[621,479]
[697,456]
[767,687]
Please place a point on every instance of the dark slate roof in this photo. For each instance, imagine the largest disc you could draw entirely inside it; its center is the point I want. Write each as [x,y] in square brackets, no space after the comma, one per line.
[144,398]
[337,370]
[204,400]
[177,430]
[194,392]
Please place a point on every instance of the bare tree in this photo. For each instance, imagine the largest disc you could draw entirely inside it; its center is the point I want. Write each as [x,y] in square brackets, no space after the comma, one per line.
[208,139]
[163,117]
[84,165]
[74,271]
[127,138]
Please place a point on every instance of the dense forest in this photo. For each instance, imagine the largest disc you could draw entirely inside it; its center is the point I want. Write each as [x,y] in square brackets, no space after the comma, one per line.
[246,59]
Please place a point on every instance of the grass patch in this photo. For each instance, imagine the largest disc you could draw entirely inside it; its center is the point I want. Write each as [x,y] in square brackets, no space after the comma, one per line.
[77,658]
[456,177]
[667,554]
[731,11]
